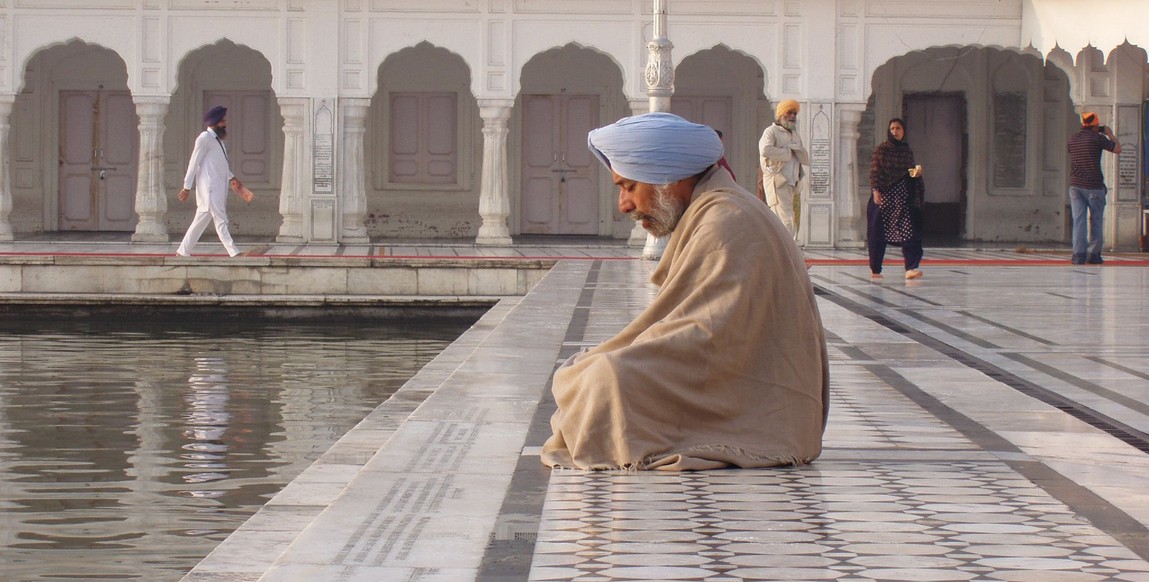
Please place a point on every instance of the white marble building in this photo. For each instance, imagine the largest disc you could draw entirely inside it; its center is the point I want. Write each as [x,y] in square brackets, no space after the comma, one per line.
[356,120]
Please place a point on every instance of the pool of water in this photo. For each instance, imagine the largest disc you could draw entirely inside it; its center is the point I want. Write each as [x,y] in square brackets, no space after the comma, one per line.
[128,451]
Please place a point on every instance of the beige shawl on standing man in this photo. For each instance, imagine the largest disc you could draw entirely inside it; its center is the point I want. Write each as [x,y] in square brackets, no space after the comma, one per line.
[727,366]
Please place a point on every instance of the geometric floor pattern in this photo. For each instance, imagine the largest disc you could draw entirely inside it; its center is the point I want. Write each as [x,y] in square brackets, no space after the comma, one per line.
[838,520]
[898,494]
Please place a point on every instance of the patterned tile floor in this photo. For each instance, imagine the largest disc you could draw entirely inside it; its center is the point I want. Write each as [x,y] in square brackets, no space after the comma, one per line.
[989,422]
[917,482]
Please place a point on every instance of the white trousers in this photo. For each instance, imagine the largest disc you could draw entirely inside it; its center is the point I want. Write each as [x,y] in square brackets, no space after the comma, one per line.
[217,212]
[784,209]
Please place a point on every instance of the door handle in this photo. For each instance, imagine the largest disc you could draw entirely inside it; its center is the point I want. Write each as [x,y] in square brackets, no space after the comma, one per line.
[103,171]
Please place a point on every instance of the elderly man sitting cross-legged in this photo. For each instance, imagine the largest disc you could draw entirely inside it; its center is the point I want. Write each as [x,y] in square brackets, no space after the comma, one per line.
[727,365]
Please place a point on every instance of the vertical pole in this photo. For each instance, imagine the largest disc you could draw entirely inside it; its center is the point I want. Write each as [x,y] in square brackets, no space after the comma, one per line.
[659,88]
[659,68]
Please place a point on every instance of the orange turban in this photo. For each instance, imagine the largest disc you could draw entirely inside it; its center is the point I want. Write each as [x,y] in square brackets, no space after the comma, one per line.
[785,107]
[1089,119]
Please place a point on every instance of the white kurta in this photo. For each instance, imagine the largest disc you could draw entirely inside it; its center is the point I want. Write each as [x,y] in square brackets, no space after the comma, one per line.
[782,156]
[210,174]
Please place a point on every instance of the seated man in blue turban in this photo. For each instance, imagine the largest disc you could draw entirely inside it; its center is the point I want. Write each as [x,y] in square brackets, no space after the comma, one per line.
[727,366]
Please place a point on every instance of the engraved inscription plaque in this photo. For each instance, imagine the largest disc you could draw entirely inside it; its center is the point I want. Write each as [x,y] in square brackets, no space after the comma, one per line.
[1009,140]
[323,151]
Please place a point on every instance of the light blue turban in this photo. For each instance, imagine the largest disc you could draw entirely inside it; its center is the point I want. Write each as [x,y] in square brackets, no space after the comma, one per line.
[655,148]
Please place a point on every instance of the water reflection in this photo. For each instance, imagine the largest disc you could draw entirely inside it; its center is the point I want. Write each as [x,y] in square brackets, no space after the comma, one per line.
[129,450]
[206,421]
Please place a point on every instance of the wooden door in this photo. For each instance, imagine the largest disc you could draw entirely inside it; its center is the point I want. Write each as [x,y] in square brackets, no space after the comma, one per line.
[713,111]
[935,130]
[560,193]
[99,145]
[248,132]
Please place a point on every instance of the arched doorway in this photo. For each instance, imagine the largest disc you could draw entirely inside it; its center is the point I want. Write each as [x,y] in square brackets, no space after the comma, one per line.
[238,78]
[566,92]
[723,88]
[989,128]
[423,147]
[88,127]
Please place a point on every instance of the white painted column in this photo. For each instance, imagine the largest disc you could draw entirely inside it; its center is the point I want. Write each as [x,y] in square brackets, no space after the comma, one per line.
[849,205]
[659,88]
[292,191]
[352,177]
[151,201]
[659,67]
[638,236]
[494,194]
[6,103]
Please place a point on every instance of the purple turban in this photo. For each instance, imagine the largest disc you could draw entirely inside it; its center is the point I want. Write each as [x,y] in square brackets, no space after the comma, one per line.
[215,116]
[655,148]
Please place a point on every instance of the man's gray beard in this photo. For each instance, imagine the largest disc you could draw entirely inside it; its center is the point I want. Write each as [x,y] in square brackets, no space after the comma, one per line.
[789,125]
[663,215]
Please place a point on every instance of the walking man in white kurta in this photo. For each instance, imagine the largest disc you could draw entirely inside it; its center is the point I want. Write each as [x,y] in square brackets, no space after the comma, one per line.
[209,173]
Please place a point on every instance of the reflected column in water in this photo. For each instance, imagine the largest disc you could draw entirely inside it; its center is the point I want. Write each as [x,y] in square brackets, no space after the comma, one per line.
[205,423]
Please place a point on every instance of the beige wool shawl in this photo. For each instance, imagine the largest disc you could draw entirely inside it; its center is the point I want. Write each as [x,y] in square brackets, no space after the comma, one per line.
[726,366]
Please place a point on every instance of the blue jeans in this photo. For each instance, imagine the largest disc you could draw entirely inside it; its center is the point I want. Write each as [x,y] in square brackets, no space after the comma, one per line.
[1082,200]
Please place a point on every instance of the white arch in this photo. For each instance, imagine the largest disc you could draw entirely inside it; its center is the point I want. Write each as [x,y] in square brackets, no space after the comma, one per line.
[388,38]
[424,49]
[24,59]
[257,40]
[754,58]
[620,43]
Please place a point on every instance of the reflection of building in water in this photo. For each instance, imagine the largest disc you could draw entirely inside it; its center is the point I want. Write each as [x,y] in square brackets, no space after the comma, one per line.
[206,421]
[10,521]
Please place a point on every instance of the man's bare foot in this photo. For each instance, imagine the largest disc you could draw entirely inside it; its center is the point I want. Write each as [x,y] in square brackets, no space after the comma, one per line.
[876,276]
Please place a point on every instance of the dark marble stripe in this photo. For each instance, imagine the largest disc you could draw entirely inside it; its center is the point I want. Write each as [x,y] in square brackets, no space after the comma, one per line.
[1012,330]
[1097,389]
[522,509]
[1104,515]
[1117,366]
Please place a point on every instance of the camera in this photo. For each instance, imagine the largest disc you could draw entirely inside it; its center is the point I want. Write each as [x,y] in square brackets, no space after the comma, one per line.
[1101,129]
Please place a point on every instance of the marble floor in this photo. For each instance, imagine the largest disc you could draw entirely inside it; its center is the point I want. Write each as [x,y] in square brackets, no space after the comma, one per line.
[989,422]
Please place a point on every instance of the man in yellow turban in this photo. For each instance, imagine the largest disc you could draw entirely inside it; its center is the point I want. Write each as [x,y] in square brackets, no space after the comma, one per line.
[782,155]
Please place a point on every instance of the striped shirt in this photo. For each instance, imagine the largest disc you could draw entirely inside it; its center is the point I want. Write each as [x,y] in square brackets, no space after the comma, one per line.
[1085,158]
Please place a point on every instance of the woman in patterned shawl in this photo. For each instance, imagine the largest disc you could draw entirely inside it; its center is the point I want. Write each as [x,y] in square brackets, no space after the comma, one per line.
[894,212]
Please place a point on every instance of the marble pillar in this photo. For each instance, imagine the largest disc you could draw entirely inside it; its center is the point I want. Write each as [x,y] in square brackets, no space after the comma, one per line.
[6,103]
[849,203]
[638,236]
[352,174]
[151,200]
[659,74]
[292,191]
[494,194]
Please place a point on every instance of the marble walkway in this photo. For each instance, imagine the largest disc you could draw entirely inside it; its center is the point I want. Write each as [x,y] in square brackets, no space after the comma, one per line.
[989,422]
